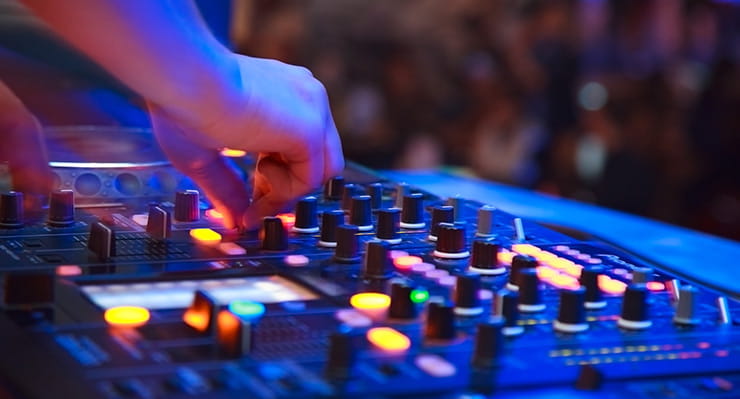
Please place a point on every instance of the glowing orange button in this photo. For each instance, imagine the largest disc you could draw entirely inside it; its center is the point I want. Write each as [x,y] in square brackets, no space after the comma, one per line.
[288,219]
[205,236]
[506,257]
[126,316]
[611,286]
[655,286]
[69,270]
[405,262]
[525,249]
[544,272]
[370,300]
[388,339]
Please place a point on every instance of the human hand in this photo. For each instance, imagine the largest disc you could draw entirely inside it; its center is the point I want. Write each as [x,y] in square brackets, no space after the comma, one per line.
[277,110]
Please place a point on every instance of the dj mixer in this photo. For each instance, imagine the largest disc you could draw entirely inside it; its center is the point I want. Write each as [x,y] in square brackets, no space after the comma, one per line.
[368,289]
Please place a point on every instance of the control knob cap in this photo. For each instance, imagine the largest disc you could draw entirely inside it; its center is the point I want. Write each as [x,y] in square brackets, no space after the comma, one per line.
[375,191]
[489,342]
[412,214]
[389,225]
[11,209]
[360,213]
[334,188]
[440,322]
[507,306]
[484,259]
[519,263]
[306,220]
[401,307]
[686,309]
[348,244]
[329,222]
[594,298]
[485,221]
[451,242]
[530,294]
[571,313]
[274,235]
[440,214]
[187,206]
[467,300]
[635,314]
[378,262]
[62,208]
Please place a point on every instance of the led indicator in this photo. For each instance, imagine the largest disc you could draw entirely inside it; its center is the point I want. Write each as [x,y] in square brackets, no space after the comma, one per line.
[406,262]
[370,300]
[388,339]
[232,153]
[69,270]
[655,286]
[197,320]
[205,236]
[126,316]
[247,310]
[419,296]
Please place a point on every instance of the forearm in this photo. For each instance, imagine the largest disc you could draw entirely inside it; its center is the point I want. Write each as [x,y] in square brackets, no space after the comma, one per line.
[160,49]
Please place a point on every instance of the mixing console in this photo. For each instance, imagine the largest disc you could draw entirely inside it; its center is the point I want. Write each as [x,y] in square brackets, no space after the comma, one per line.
[368,289]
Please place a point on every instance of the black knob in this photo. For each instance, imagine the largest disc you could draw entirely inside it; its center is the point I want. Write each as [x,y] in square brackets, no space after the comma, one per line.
[389,225]
[187,206]
[102,241]
[306,220]
[451,242]
[686,309]
[635,315]
[378,262]
[519,263]
[159,223]
[360,213]
[484,259]
[11,209]
[594,298]
[571,313]
[467,300]
[274,235]
[329,222]
[348,244]
[489,342]
[507,306]
[349,191]
[412,214]
[334,188]
[341,355]
[641,275]
[440,321]
[375,191]
[62,208]
[530,295]
[401,307]
[485,221]
[440,214]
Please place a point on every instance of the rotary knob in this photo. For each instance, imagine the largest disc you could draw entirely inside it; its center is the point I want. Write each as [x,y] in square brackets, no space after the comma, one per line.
[401,307]
[334,188]
[594,298]
[530,294]
[306,220]
[412,214]
[402,190]
[440,214]
[375,191]
[389,225]
[507,306]
[467,300]
[686,309]
[329,222]
[451,242]
[11,209]
[519,263]
[360,213]
[349,191]
[635,314]
[347,250]
[484,259]
[341,355]
[440,323]
[485,221]
[187,206]
[274,235]
[571,313]
[378,262]
[489,342]
[62,208]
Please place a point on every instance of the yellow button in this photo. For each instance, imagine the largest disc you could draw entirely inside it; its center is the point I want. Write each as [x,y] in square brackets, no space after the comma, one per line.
[388,339]
[205,236]
[126,316]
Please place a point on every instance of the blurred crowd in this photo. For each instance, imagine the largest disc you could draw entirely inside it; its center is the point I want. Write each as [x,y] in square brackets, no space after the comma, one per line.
[630,104]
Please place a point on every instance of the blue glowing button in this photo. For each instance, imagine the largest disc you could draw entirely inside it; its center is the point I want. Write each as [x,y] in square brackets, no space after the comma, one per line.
[247,310]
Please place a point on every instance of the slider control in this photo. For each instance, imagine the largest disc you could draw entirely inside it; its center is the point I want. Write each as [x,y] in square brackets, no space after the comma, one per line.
[102,241]
[159,223]
[334,188]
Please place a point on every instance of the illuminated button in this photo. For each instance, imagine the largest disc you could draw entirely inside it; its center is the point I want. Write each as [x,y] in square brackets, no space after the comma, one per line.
[406,262]
[611,286]
[288,219]
[296,260]
[397,253]
[545,273]
[435,365]
[214,214]
[655,286]
[206,236]
[142,219]
[419,296]
[201,313]
[247,310]
[422,268]
[506,257]
[126,316]
[231,248]
[388,339]
[69,270]
[525,249]
[232,153]
[564,281]
[353,318]
[372,304]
